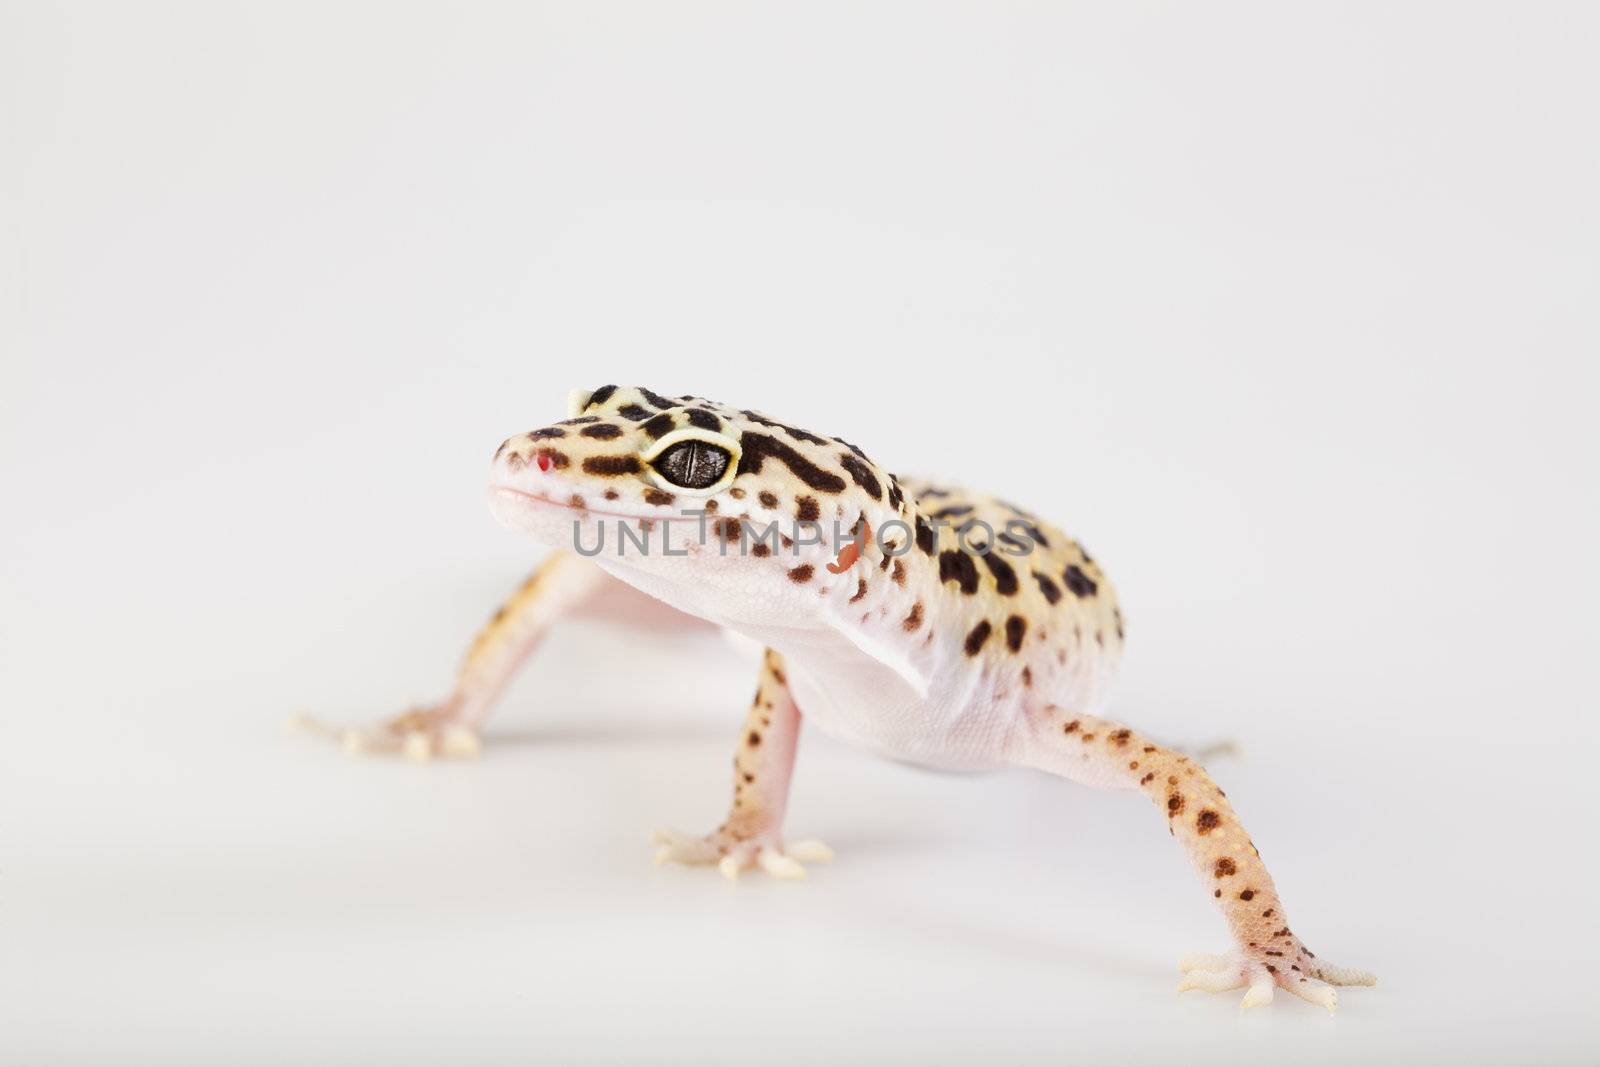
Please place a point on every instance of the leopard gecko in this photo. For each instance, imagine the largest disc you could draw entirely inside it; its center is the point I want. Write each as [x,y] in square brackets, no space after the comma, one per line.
[965,633]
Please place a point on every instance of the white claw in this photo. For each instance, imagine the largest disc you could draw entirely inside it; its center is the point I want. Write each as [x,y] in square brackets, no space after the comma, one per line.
[418,747]
[461,742]
[663,854]
[729,866]
[778,865]
[354,742]
[1316,992]
[1260,989]
[810,851]
[1211,981]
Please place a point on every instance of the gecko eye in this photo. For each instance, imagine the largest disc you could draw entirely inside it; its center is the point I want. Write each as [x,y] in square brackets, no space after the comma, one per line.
[692,464]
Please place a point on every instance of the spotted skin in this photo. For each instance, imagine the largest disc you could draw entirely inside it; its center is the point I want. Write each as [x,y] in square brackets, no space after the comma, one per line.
[967,633]
[752,833]
[970,558]
[1103,753]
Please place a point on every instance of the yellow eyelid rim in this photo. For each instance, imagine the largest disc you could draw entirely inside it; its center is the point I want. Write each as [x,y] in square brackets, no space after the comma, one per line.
[693,433]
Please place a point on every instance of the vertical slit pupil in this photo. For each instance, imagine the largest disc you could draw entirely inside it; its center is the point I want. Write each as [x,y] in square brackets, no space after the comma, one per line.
[693,464]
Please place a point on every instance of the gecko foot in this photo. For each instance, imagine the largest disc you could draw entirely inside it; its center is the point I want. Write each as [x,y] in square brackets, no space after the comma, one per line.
[733,854]
[419,735]
[1303,975]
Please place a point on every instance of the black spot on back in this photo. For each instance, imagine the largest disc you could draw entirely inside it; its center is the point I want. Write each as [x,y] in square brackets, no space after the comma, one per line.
[1080,583]
[1005,578]
[1048,587]
[633,412]
[603,431]
[600,396]
[806,509]
[952,511]
[926,538]
[956,566]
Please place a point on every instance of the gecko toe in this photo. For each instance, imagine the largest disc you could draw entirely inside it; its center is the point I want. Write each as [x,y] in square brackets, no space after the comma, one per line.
[732,855]
[417,746]
[1315,991]
[1260,991]
[418,735]
[460,742]
[779,865]
[1264,971]
[1211,981]
[678,847]
[1345,976]
[812,851]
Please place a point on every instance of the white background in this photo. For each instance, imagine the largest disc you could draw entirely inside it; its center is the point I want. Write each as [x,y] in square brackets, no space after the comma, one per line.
[1286,310]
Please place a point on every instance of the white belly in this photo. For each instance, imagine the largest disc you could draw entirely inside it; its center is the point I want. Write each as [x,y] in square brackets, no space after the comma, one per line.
[957,726]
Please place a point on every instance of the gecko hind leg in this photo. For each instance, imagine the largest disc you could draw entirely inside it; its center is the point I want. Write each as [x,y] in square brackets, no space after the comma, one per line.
[1266,954]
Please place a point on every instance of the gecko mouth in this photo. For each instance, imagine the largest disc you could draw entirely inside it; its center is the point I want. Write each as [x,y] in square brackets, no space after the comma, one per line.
[576,503]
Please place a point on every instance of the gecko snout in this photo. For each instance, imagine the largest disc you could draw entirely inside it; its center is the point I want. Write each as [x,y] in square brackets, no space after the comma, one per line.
[528,453]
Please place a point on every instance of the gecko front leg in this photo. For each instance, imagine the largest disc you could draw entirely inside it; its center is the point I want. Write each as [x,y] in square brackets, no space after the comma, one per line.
[752,834]
[1266,952]
[564,585]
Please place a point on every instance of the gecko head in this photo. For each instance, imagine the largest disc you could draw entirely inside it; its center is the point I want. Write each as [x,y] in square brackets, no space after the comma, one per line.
[673,486]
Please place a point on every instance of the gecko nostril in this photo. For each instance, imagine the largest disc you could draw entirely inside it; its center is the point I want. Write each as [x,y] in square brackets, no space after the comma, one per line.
[545,462]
